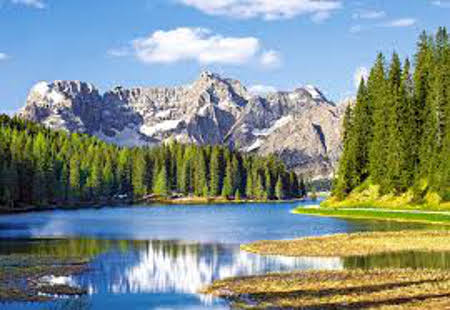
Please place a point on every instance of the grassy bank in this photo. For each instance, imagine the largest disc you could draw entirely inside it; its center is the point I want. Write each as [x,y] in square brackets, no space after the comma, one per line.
[357,244]
[356,289]
[369,196]
[418,216]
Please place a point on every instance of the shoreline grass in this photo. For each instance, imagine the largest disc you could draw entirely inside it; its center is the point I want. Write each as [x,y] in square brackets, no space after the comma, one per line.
[355,244]
[414,216]
[354,289]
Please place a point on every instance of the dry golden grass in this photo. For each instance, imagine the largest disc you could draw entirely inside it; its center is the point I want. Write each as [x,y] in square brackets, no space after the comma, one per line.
[356,244]
[354,289]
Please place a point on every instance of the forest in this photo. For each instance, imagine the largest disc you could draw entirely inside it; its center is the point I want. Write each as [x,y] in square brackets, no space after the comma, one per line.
[42,167]
[396,135]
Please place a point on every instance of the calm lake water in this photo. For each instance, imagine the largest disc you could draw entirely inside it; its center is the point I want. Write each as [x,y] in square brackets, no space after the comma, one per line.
[158,257]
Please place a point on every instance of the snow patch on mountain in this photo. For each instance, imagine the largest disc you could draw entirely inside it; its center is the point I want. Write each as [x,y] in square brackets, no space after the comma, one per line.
[276,125]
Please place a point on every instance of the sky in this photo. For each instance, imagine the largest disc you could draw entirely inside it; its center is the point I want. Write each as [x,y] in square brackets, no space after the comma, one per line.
[267,44]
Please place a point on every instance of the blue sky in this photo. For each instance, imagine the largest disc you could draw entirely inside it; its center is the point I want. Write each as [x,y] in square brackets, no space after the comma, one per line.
[271,44]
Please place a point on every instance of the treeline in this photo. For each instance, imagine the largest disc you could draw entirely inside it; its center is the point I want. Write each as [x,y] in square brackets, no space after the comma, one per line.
[39,166]
[397,134]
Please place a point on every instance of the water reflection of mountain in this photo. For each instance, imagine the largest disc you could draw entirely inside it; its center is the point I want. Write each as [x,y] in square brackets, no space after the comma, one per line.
[169,266]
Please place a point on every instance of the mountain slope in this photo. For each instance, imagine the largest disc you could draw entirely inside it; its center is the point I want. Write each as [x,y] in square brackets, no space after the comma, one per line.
[302,127]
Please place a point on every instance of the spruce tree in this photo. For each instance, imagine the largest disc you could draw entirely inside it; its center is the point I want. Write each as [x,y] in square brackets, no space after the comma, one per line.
[280,188]
[161,187]
[227,190]
[395,115]
[378,93]
[216,172]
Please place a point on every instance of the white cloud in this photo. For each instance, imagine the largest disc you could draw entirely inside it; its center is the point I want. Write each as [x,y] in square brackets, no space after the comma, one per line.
[402,22]
[441,3]
[360,73]
[266,9]
[369,14]
[197,44]
[38,4]
[261,89]
[3,56]
[320,17]
[271,59]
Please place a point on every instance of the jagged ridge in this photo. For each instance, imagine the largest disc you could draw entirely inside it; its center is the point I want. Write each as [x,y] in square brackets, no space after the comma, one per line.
[302,126]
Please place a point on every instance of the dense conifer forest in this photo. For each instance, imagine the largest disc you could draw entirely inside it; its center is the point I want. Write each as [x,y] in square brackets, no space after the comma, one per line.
[396,135]
[42,167]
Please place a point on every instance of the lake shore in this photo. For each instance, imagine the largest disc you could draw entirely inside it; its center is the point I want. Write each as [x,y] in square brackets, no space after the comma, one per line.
[398,215]
[31,278]
[336,289]
[168,201]
[356,244]
[352,289]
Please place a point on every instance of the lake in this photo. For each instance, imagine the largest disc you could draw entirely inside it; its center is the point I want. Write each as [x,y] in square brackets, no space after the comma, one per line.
[159,257]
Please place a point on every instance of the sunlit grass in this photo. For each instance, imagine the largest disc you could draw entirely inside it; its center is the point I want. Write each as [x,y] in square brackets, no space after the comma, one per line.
[380,289]
[357,244]
[378,214]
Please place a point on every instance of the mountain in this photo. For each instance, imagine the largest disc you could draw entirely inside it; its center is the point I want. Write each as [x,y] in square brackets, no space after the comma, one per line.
[302,127]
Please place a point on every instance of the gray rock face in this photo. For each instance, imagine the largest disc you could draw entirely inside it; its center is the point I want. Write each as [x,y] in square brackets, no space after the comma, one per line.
[302,127]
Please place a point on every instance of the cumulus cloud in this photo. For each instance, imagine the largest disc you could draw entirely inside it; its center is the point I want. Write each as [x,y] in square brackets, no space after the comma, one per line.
[271,59]
[369,14]
[3,56]
[265,9]
[197,44]
[38,4]
[261,89]
[399,23]
[360,73]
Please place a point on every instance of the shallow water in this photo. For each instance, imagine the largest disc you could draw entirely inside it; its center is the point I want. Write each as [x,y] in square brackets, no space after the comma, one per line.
[159,257]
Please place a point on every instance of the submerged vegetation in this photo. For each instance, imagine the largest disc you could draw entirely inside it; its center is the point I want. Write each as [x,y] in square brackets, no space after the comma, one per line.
[353,289]
[397,136]
[42,167]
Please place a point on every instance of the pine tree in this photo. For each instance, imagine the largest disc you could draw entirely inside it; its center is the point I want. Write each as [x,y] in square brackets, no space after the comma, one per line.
[249,187]
[201,173]
[108,179]
[344,181]
[394,144]
[161,187]
[361,136]
[75,178]
[139,174]
[227,190]
[294,190]
[280,188]
[377,93]
[407,131]
[216,172]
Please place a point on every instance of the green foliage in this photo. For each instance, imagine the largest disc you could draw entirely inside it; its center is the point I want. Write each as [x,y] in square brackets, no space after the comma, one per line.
[39,166]
[397,134]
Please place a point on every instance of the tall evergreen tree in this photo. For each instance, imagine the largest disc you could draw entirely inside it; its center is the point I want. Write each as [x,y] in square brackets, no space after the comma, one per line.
[377,89]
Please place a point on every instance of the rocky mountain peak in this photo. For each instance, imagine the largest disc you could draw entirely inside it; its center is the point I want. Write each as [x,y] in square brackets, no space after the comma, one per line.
[302,127]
